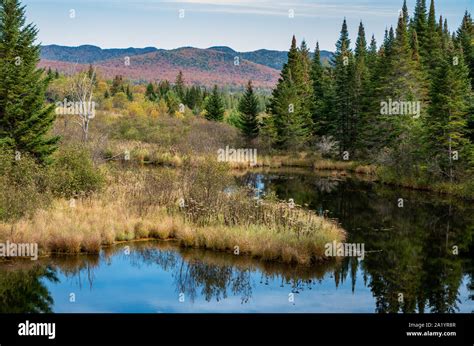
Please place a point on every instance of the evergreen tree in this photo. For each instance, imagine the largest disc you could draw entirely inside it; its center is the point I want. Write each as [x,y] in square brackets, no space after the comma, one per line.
[465,37]
[194,98]
[290,105]
[129,93]
[432,46]
[248,108]
[215,106]
[24,119]
[343,72]
[403,81]
[163,88]
[304,89]
[405,12]
[371,134]
[117,85]
[317,74]
[420,24]
[446,122]
[179,86]
[361,91]
[150,92]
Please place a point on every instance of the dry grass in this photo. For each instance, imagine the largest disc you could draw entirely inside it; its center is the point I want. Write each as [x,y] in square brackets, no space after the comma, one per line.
[136,206]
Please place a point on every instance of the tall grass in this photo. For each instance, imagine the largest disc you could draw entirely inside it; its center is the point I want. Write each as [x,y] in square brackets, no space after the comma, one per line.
[144,204]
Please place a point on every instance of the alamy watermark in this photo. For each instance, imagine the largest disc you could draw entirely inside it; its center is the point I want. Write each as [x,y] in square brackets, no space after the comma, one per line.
[237,155]
[19,250]
[392,107]
[85,109]
[335,249]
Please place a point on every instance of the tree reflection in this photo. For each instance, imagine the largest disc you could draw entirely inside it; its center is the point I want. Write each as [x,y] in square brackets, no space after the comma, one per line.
[410,265]
[22,290]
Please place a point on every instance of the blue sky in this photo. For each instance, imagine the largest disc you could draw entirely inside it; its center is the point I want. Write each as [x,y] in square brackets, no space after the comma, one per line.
[244,25]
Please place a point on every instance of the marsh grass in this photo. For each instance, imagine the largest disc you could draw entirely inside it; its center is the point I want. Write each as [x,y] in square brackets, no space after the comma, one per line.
[143,204]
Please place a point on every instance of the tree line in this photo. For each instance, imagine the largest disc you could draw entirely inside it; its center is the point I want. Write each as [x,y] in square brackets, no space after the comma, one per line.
[407,102]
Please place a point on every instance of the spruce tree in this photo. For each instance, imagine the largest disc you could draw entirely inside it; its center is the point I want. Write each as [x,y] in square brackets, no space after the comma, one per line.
[446,122]
[401,81]
[361,91]
[302,80]
[248,108]
[117,85]
[343,65]
[129,93]
[405,12]
[215,106]
[25,120]
[465,37]
[420,24]
[371,133]
[317,110]
[432,46]
[179,86]
[464,40]
[150,92]
[290,105]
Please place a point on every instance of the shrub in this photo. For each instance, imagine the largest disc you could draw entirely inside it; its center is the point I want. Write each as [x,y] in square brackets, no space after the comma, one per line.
[73,173]
[24,184]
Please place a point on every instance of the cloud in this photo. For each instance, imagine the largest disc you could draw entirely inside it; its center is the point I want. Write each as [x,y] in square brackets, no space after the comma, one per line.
[303,8]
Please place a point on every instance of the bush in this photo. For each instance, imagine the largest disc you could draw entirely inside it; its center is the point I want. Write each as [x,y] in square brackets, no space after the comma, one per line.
[24,184]
[73,173]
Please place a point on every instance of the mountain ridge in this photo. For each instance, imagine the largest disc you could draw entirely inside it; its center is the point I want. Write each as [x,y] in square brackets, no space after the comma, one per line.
[200,66]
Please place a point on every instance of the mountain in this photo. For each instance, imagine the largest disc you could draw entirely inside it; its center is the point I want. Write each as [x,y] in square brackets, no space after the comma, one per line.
[199,67]
[88,54]
[271,58]
[214,65]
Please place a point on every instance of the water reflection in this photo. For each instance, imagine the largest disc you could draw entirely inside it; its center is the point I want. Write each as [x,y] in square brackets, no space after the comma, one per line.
[417,254]
[22,291]
[419,259]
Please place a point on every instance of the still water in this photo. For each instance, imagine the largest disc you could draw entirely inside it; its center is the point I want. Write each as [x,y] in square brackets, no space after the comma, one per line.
[420,258]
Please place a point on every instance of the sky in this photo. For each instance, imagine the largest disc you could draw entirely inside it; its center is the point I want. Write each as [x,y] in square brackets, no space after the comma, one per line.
[244,25]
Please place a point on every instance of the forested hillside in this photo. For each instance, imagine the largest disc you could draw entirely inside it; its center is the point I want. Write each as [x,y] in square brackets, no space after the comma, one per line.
[405,103]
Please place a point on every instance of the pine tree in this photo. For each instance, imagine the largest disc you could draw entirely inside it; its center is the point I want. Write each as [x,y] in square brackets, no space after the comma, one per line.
[432,46]
[405,12]
[163,88]
[24,119]
[465,37]
[370,130]
[317,74]
[215,106]
[361,92]
[343,69]
[290,105]
[117,85]
[403,81]
[248,108]
[179,86]
[150,92]
[446,122]
[129,93]
[420,24]
[304,89]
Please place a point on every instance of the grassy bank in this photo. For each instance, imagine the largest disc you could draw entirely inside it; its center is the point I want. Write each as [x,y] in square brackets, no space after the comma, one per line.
[144,204]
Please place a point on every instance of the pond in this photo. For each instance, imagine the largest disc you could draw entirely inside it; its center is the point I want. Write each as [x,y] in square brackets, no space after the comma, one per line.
[419,258]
